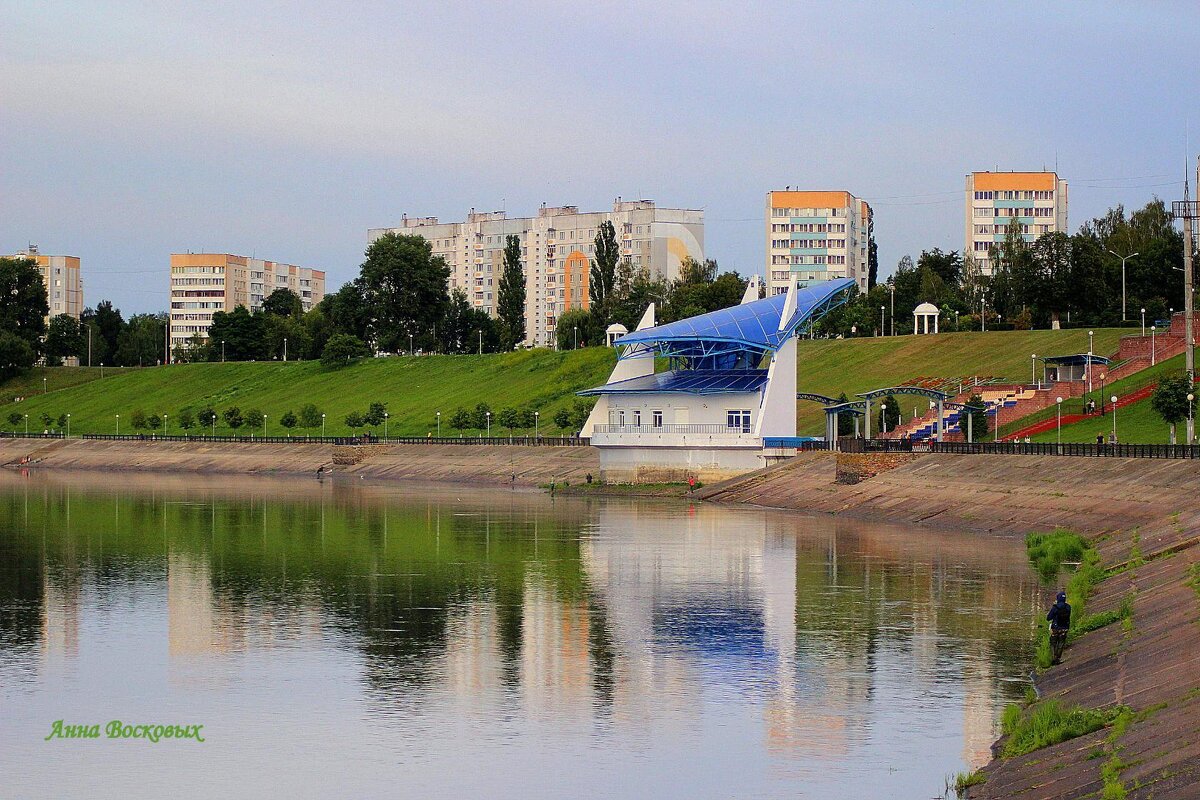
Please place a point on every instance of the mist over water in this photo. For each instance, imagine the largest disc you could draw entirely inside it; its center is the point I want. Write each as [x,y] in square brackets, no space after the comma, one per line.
[341,640]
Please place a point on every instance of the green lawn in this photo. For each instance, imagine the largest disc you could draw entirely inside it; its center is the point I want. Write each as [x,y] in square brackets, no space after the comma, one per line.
[1136,424]
[415,388]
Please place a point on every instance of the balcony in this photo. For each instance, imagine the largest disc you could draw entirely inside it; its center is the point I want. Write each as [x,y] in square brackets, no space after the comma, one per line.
[681,435]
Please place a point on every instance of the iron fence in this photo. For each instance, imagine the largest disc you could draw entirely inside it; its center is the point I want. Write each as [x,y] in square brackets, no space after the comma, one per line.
[542,441]
[20,435]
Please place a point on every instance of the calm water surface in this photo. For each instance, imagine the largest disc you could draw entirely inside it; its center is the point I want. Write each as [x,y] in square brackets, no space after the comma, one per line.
[341,640]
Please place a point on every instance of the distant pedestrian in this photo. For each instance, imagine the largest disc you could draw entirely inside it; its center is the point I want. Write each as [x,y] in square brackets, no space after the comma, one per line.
[1099,439]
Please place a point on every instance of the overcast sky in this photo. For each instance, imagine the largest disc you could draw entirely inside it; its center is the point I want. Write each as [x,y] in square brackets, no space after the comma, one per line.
[129,131]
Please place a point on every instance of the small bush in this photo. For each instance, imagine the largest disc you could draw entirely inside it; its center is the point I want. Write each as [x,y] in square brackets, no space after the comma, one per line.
[965,780]
[1048,551]
[1049,723]
[288,420]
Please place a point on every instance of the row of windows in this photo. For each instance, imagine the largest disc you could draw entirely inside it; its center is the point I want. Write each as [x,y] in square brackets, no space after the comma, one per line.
[197,281]
[808,227]
[779,260]
[837,244]
[808,212]
[197,270]
[1000,230]
[1015,194]
[1028,211]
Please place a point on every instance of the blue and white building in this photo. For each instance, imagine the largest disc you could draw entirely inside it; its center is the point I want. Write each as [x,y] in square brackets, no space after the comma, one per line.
[725,405]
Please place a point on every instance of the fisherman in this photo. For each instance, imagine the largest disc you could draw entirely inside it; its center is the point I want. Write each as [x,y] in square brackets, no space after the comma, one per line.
[1059,614]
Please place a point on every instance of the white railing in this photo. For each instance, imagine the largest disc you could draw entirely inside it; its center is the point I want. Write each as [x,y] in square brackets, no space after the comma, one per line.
[686,428]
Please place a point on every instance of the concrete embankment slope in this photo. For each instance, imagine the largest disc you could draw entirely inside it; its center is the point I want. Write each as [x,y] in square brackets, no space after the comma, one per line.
[482,464]
[1143,517]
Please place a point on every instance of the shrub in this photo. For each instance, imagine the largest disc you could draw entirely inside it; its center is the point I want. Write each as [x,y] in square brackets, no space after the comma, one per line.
[207,417]
[233,417]
[509,418]
[186,420]
[460,420]
[288,420]
[154,422]
[254,418]
[479,417]
[375,414]
[562,418]
[354,420]
[310,416]
[138,419]
[1049,723]
[343,349]
[15,419]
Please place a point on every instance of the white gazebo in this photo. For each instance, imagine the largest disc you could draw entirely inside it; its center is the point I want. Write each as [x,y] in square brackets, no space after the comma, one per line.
[926,313]
[614,332]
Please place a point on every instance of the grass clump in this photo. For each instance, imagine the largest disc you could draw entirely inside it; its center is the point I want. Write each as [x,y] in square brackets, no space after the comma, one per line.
[1049,723]
[1049,551]
[965,780]
[1123,614]
[1194,577]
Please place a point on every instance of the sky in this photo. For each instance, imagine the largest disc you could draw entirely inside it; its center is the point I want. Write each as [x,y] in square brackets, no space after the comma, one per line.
[129,131]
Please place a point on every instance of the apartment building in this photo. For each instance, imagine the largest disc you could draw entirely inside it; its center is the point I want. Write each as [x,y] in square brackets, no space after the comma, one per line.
[204,283]
[64,287]
[816,236]
[556,250]
[1036,200]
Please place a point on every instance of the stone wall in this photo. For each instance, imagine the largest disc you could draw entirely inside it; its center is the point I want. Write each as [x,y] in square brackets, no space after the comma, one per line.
[854,468]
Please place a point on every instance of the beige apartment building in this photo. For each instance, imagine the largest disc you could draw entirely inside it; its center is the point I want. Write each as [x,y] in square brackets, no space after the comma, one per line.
[204,283]
[816,236]
[1036,200]
[64,287]
[556,251]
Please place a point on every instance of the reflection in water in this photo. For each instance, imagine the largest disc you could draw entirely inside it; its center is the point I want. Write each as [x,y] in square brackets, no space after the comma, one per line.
[357,639]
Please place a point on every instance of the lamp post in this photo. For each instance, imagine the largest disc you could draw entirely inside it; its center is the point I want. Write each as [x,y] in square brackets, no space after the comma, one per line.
[43,384]
[322,426]
[1153,330]
[26,424]
[481,341]
[1143,322]
[882,332]
[68,426]
[264,426]
[439,424]
[164,424]
[489,424]
[385,421]
[285,348]
[1191,399]
[1103,387]
[576,330]
[892,286]
[1089,364]
[536,416]
[222,351]
[1058,407]
[1033,370]
[118,423]
[1123,260]
[410,343]
[1114,402]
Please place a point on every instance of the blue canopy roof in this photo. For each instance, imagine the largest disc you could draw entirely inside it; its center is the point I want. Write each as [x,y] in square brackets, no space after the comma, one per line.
[752,326]
[1077,358]
[692,381]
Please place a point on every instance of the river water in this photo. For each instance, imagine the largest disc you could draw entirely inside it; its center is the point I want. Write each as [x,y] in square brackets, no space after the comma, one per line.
[347,640]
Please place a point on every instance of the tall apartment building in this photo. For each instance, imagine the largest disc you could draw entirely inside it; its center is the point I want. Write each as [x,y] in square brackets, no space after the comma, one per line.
[556,251]
[64,287]
[204,283]
[816,236]
[1037,200]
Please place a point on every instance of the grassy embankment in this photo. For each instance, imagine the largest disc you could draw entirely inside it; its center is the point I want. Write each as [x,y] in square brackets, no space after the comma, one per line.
[415,388]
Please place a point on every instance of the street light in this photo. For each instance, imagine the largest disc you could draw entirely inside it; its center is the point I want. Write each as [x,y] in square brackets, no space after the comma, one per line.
[322,426]
[439,423]
[576,329]
[1103,387]
[385,420]
[285,348]
[489,424]
[26,424]
[264,416]
[410,343]
[882,332]
[1033,370]
[118,423]
[1191,398]
[68,426]
[536,415]
[1089,363]
[1114,402]
[1058,406]
[43,384]
[1143,322]
[1123,260]
[164,424]
[1153,330]
[222,351]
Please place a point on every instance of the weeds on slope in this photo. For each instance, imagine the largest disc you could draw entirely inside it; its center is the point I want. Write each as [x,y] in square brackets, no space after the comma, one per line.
[1049,723]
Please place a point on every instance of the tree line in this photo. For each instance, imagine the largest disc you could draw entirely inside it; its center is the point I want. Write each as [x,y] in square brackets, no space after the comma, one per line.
[1069,280]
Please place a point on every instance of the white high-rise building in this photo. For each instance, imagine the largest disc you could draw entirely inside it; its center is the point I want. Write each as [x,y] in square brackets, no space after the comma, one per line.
[1036,200]
[816,236]
[557,246]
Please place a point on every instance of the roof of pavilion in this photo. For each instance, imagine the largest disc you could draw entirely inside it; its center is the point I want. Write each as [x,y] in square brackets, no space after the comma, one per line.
[1077,358]
[753,326]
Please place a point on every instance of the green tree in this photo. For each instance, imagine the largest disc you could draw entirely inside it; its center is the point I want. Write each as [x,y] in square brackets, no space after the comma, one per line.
[14,419]
[979,418]
[138,419]
[283,303]
[16,355]
[460,420]
[142,341]
[636,289]
[47,420]
[466,329]
[603,274]
[479,417]
[346,311]
[106,324]
[23,306]
[375,413]
[310,416]
[64,339]
[293,330]
[233,417]
[207,417]
[254,419]
[237,335]
[185,419]
[562,418]
[354,420]
[1170,400]
[154,422]
[509,418]
[510,298]
[580,412]
[872,255]
[288,420]
[343,349]
[578,327]
[845,419]
[404,288]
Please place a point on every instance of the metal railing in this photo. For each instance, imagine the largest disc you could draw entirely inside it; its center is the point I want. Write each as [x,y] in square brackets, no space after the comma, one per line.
[530,441]
[699,427]
[31,435]
[851,445]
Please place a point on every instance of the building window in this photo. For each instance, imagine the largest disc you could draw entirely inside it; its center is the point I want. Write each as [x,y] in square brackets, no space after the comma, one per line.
[738,420]
[656,418]
[637,418]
